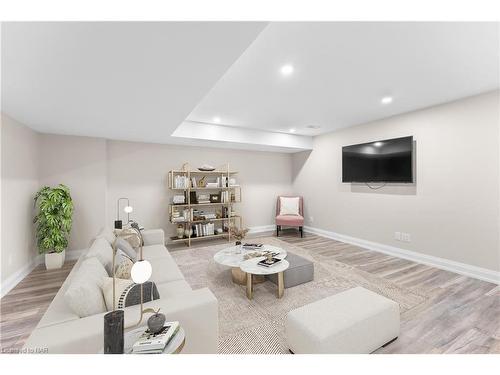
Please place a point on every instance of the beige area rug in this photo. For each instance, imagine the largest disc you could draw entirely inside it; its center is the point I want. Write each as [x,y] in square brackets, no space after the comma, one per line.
[257,326]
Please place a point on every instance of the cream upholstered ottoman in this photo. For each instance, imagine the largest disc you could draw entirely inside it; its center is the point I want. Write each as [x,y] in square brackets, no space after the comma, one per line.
[354,321]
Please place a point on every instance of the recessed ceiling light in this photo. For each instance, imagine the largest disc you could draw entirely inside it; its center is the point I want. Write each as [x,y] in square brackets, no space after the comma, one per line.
[286,70]
[386,100]
[313,127]
[216,120]
[292,130]
[377,144]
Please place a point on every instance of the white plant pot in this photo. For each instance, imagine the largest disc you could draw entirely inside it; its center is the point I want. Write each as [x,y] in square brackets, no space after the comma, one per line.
[54,261]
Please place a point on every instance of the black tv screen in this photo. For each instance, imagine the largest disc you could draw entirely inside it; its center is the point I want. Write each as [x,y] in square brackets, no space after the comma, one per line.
[388,160]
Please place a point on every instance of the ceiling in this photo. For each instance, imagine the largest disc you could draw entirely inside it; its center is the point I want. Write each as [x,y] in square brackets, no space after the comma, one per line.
[121,80]
[165,82]
[343,69]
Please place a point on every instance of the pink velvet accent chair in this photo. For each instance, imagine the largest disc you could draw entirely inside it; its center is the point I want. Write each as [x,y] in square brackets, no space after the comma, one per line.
[290,220]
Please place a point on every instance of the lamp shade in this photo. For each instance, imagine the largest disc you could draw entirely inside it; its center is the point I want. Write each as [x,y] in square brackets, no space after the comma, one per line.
[141,271]
[128,209]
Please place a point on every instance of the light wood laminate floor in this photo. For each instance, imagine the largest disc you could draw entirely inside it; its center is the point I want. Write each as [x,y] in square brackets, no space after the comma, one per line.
[461,314]
[22,308]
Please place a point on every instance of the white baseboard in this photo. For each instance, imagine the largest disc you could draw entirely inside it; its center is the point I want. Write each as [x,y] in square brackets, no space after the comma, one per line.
[17,276]
[442,263]
[20,274]
[262,228]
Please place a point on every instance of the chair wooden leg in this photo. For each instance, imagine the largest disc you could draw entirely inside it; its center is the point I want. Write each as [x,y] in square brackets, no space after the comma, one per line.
[301,229]
[277,230]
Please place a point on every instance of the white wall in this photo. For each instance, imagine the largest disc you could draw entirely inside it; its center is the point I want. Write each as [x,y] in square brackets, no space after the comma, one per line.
[19,185]
[451,212]
[139,171]
[79,163]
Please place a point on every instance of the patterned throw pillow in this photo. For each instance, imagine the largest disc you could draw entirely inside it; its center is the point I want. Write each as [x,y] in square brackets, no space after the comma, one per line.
[128,293]
[130,236]
[123,265]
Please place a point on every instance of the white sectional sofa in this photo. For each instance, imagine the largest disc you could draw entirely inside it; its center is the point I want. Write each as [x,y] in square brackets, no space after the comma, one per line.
[62,331]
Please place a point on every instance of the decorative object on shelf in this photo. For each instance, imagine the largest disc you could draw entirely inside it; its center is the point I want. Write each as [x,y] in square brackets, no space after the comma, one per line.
[206,168]
[127,209]
[193,199]
[155,321]
[188,232]
[203,182]
[180,231]
[114,322]
[219,231]
[215,198]
[53,223]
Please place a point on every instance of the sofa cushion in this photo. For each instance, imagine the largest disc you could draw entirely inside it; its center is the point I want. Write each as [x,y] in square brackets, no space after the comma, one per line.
[102,250]
[84,294]
[165,270]
[155,251]
[173,288]
[291,220]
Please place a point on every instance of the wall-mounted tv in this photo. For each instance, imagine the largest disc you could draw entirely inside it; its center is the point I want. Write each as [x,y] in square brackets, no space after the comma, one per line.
[388,160]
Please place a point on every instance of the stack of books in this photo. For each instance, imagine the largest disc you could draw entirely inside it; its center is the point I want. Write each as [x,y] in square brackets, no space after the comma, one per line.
[154,343]
[181,182]
[200,230]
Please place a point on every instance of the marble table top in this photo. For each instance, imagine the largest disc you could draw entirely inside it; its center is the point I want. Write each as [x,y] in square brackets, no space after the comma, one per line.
[232,258]
[251,266]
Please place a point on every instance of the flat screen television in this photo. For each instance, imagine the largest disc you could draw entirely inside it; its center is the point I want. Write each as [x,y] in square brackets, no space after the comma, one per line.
[389,160]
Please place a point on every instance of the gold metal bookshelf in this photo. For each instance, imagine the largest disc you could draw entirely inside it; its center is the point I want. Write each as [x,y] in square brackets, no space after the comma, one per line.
[228,221]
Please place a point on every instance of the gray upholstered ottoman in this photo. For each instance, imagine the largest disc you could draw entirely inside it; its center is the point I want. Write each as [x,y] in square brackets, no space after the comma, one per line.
[300,271]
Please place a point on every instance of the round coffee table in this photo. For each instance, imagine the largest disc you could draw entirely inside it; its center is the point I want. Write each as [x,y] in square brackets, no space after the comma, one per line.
[250,267]
[233,257]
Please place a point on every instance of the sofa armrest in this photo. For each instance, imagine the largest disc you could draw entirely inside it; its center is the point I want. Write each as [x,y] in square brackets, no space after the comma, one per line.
[153,237]
[196,311]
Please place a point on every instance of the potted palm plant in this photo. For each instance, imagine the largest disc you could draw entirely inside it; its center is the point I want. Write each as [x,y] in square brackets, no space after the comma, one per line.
[53,221]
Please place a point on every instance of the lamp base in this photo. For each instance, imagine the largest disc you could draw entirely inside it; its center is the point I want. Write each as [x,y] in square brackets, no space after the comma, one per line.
[114,322]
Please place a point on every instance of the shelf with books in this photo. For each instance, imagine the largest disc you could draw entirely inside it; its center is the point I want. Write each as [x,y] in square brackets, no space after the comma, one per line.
[186,239]
[196,193]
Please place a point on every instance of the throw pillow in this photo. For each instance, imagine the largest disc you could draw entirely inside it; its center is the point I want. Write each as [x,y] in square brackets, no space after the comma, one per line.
[84,294]
[289,206]
[130,236]
[123,265]
[127,293]
[102,250]
[127,248]
[108,234]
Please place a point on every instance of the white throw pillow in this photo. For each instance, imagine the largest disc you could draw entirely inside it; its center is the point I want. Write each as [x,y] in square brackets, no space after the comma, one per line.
[108,234]
[289,206]
[102,250]
[84,294]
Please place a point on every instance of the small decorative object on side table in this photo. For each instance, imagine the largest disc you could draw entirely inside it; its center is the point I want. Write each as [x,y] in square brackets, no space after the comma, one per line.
[239,235]
[155,321]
